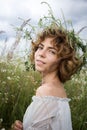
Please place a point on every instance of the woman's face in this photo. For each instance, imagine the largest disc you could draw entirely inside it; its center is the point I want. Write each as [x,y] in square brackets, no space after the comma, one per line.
[46,59]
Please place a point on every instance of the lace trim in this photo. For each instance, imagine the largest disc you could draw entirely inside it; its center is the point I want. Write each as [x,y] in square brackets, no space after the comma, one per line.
[50,98]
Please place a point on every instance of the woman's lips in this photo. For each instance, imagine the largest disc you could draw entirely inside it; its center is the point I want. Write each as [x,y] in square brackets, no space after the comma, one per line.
[39,62]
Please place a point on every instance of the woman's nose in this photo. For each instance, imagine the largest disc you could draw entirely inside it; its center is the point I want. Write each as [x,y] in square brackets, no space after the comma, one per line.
[42,53]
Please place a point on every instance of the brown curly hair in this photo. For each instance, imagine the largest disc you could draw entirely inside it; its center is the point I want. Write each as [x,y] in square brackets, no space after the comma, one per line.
[68,63]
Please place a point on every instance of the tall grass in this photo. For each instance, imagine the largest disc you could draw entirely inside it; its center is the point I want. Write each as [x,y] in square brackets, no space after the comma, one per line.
[77,91]
[16,89]
[17,86]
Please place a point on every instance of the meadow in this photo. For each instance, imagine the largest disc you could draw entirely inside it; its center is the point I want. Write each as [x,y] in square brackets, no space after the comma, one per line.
[18,84]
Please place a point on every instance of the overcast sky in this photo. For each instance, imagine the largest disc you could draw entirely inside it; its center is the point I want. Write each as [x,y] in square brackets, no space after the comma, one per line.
[10,10]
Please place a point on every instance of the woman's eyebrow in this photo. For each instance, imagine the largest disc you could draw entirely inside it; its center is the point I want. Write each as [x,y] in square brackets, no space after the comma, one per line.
[49,47]
[41,44]
[52,48]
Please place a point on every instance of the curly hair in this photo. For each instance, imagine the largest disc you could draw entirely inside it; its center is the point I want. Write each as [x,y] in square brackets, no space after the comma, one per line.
[68,61]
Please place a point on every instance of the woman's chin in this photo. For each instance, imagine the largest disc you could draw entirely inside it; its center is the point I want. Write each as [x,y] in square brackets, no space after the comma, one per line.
[39,70]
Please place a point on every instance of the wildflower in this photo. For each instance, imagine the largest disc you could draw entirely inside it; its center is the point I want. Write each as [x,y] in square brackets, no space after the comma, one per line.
[9,78]
[3,129]
[1,120]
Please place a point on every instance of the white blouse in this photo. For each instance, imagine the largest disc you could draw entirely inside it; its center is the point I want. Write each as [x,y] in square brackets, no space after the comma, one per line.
[48,113]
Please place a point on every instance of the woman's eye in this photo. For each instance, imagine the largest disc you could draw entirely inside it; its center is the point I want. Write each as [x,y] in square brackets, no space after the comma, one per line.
[40,47]
[52,52]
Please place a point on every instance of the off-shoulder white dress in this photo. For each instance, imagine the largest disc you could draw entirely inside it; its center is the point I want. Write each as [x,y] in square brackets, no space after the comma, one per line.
[48,113]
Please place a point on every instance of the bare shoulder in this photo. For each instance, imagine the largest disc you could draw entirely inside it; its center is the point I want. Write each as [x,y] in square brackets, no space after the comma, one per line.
[50,90]
[43,90]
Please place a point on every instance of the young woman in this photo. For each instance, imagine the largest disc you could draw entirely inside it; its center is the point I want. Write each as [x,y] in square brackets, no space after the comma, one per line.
[56,60]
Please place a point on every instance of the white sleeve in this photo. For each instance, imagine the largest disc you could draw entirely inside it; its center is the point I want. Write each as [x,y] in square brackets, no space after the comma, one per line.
[64,117]
[46,114]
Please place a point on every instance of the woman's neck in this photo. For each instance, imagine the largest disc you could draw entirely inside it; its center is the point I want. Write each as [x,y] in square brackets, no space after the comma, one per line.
[50,78]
